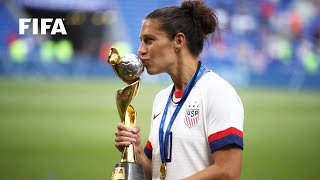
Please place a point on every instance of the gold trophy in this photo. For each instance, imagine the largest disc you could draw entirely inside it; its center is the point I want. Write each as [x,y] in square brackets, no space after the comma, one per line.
[128,68]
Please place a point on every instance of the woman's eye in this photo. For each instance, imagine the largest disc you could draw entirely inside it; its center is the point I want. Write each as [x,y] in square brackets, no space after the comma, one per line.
[147,40]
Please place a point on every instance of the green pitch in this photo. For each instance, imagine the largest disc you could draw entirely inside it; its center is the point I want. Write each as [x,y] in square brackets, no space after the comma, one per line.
[64,130]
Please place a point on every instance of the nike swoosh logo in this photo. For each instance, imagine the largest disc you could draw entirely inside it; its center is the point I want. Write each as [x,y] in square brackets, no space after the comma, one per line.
[155,116]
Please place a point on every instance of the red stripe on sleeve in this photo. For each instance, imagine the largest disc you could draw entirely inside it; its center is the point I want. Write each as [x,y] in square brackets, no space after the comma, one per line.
[149,145]
[223,133]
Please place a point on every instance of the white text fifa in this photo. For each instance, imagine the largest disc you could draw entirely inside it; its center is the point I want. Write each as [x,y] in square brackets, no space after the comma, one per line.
[45,24]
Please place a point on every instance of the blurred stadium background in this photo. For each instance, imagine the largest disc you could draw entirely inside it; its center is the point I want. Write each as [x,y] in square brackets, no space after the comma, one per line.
[57,106]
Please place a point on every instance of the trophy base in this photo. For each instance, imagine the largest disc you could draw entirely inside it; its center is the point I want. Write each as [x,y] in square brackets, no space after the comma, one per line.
[128,171]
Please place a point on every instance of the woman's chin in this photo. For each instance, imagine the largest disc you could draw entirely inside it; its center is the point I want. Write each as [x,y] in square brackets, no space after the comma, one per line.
[151,71]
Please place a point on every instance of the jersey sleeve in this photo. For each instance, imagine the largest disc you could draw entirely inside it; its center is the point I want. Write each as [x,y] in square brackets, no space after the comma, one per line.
[225,116]
[152,134]
[148,149]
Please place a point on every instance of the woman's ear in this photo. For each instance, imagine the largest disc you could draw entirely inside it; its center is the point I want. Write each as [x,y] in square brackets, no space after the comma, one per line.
[179,41]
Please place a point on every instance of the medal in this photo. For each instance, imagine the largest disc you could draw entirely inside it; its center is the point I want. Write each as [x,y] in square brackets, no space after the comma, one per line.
[163,171]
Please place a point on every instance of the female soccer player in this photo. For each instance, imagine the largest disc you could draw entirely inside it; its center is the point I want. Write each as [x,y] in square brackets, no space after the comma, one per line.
[197,125]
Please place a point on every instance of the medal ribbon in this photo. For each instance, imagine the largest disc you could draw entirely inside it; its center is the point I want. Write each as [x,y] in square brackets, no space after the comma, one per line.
[164,144]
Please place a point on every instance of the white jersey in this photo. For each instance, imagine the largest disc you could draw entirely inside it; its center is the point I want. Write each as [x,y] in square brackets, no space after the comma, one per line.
[210,119]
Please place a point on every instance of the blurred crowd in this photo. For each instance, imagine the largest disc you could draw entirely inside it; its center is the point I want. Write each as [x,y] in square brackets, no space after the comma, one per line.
[260,36]
[268,34]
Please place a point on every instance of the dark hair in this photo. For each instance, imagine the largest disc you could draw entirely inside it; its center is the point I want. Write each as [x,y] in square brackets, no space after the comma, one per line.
[193,18]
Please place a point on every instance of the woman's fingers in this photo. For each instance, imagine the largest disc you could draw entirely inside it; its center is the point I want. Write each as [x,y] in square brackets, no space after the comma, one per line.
[122,127]
[135,129]
[124,136]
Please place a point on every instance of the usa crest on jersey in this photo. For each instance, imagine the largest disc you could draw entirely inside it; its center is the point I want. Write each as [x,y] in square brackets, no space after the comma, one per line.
[192,116]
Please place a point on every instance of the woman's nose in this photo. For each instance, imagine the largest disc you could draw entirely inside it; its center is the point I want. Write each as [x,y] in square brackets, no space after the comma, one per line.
[142,50]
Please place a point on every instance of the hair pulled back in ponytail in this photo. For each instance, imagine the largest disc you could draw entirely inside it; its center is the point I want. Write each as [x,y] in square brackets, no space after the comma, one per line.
[193,18]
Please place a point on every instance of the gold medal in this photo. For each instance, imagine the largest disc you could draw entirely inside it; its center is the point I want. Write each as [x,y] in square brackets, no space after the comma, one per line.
[163,171]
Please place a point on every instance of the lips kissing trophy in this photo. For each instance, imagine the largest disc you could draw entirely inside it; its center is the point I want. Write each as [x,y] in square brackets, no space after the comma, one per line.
[128,68]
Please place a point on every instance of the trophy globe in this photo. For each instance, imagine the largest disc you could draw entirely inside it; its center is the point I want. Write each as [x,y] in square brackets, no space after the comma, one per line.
[129,67]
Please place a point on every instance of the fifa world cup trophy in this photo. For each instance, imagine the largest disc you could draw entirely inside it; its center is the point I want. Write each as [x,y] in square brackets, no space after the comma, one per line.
[128,68]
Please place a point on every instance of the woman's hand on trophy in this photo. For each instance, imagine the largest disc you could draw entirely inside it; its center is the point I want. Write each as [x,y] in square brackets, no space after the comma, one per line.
[124,136]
